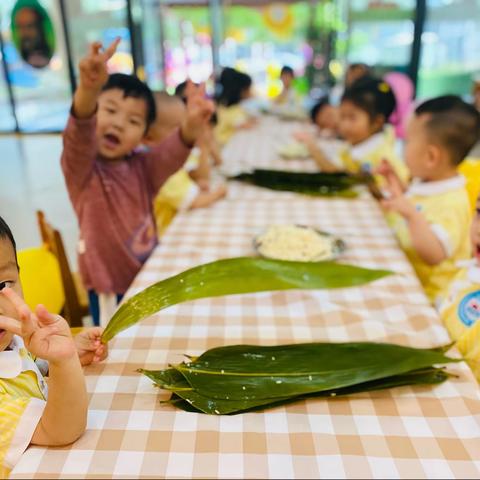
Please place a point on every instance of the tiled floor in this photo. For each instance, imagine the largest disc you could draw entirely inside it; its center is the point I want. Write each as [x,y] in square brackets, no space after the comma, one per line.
[31,179]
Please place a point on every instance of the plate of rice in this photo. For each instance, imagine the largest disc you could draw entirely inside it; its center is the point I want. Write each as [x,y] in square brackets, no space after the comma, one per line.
[298,243]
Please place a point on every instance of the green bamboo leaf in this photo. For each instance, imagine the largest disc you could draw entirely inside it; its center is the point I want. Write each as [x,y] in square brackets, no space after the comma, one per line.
[258,372]
[235,276]
[192,401]
[317,184]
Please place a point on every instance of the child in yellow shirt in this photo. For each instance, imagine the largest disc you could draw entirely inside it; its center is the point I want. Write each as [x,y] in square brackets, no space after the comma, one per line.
[431,217]
[235,87]
[31,412]
[188,188]
[364,111]
[460,305]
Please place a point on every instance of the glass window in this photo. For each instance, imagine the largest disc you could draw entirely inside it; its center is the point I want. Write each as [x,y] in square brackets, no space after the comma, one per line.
[7,122]
[260,40]
[450,46]
[100,20]
[42,95]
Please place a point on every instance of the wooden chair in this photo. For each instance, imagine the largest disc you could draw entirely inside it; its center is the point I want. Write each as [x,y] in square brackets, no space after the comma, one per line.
[76,298]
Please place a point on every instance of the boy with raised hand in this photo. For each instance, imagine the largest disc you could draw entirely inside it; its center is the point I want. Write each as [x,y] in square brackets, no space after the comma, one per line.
[112,184]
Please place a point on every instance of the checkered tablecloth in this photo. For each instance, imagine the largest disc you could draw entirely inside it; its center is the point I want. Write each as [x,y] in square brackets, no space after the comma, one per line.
[401,433]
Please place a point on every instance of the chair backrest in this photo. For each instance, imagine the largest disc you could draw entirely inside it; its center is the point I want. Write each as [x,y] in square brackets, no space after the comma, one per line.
[52,239]
[41,279]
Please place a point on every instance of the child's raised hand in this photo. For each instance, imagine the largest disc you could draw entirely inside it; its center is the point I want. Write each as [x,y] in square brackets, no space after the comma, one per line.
[93,67]
[45,335]
[89,347]
[199,111]
[400,204]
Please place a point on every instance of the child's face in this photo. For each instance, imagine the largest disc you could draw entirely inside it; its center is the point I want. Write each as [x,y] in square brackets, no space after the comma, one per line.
[287,80]
[475,233]
[121,123]
[8,278]
[327,118]
[168,119]
[355,124]
[418,155]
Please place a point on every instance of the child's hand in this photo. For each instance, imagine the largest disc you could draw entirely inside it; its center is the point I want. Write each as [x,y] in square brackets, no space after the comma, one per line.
[401,205]
[45,335]
[93,67]
[89,347]
[304,137]
[199,111]
[387,171]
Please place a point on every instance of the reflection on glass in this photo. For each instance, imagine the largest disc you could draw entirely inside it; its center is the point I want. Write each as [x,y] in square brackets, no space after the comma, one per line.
[32,33]
[42,95]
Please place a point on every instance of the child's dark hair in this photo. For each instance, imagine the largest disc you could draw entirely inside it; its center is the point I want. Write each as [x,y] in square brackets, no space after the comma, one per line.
[5,232]
[323,102]
[373,96]
[454,123]
[287,70]
[232,84]
[132,86]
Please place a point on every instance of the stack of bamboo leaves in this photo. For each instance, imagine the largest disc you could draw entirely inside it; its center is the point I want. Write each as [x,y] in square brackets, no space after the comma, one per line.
[234,379]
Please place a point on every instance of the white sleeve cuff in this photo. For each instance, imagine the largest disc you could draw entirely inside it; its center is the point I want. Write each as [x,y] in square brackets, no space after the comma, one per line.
[192,193]
[24,431]
[443,237]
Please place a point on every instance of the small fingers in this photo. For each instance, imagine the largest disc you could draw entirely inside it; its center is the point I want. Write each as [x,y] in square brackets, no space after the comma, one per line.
[112,48]
[10,325]
[17,302]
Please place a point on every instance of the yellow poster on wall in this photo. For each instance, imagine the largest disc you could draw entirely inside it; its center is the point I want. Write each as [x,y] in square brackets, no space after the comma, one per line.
[278,18]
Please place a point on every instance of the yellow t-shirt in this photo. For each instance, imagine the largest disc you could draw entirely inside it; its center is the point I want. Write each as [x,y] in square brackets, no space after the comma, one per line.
[368,155]
[176,194]
[445,206]
[229,119]
[23,394]
[460,312]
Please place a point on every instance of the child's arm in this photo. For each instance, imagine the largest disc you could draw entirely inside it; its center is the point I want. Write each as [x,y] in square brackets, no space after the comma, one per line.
[166,158]
[93,76]
[320,159]
[205,199]
[424,241]
[48,336]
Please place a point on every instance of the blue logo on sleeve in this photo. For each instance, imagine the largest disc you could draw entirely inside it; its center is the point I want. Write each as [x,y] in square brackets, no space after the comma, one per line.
[469,308]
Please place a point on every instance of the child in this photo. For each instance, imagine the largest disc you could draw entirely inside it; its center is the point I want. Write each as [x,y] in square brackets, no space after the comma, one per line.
[356,71]
[287,95]
[364,111]
[189,188]
[235,87]
[27,414]
[432,217]
[460,304]
[110,183]
[326,117]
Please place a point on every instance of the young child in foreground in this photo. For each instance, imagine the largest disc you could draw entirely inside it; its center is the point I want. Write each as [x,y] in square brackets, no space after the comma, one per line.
[364,111]
[460,304]
[189,188]
[112,184]
[431,218]
[31,413]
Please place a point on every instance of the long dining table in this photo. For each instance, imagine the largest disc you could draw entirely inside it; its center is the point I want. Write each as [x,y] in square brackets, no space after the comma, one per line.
[407,432]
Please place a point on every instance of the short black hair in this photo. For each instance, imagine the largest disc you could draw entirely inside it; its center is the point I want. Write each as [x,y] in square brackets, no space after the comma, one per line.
[323,102]
[288,70]
[372,95]
[132,86]
[455,124]
[232,84]
[5,232]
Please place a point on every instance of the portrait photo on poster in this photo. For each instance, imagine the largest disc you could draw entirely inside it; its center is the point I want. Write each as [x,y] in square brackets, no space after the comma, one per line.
[33,33]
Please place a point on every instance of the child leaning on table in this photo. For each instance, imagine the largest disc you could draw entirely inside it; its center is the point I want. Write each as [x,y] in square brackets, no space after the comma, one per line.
[431,218]
[110,182]
[31,413]
[364,112]
[459,306]
[189,188]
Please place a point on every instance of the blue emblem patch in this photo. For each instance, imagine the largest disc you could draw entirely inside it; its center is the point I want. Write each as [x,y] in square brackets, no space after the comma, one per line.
[469,309]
